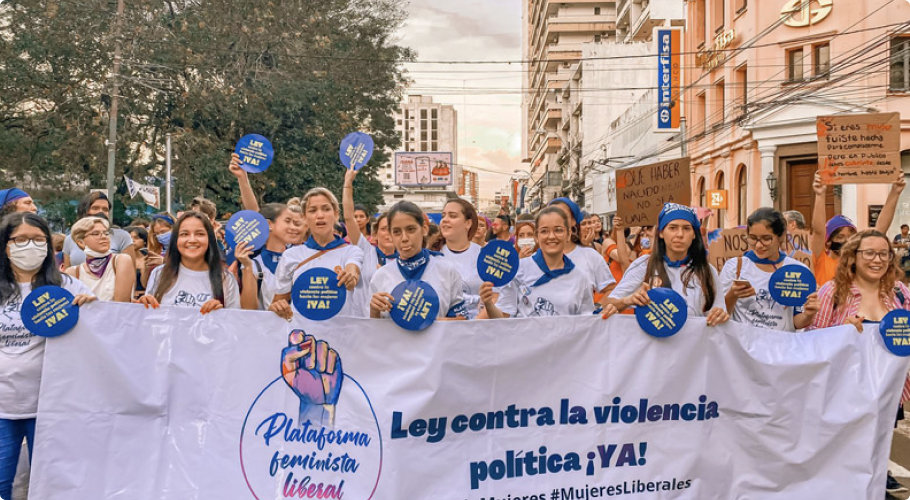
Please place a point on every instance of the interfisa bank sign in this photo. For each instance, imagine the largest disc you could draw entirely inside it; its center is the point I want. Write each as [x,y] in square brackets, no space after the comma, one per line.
[669,78]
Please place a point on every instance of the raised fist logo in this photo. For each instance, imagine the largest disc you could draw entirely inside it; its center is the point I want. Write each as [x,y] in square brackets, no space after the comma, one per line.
[313,371]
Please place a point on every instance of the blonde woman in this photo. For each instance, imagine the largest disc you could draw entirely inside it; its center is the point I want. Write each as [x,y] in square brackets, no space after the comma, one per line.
[111,277]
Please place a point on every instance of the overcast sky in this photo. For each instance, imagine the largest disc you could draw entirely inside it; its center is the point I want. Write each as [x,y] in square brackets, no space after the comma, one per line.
[489,112]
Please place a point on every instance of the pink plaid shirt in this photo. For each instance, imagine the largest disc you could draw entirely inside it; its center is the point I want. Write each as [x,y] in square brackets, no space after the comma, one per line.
[829,316]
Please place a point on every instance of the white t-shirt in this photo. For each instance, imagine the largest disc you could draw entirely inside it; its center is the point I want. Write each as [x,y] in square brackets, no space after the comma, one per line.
[288,271]
[693,295]
[566,295]
[440,274]
[268,285]
[193,289]
[759,310]
[120,240]
[594,266]
[22,356]
[466,264]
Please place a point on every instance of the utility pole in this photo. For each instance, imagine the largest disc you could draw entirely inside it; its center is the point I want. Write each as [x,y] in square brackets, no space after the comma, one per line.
[167,178]
[115,91]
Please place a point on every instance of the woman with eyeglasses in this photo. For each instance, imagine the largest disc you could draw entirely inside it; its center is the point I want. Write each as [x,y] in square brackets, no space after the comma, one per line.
[586,258]
[548,283]
[96,205]
[27,262]
[111,277]
[744,281]
[866,284]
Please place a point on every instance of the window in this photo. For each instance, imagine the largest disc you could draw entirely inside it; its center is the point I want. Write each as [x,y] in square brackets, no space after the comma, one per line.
[597,38]
[743,191]
[742,76]
[822,60]
[719,100]
[795,65]
[703,110]
[720,185]
[900,64]
[700,22]
[702,194]
[718,15]
[596,11]
[740,5]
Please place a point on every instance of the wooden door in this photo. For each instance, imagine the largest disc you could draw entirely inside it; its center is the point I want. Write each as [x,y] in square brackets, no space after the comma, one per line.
[801,197]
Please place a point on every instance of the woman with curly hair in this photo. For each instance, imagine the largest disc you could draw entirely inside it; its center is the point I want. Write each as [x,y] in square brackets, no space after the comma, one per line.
[866,284]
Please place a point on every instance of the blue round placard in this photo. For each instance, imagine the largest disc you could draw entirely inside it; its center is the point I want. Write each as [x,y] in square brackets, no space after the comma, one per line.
[255,152]
[791,285]
[895,331]
[356,150]
[247,226]
[665,315]
[316,294]
[415,305]
[498,262]
[49,311]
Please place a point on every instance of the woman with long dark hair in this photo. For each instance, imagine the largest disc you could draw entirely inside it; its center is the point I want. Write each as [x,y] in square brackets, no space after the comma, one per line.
[27,262]
[744,281]
[193,274]
[679,261]
[459,226]
[284,230]
[409,228]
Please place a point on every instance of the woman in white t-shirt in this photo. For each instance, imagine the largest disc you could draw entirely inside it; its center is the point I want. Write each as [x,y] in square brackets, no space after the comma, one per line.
[744,281]
[586,258]
[459,226]
[193,274]
[409,229]
[284,230]
[111,277]
[679,261]
[323,249]
[548,283]
[26,263]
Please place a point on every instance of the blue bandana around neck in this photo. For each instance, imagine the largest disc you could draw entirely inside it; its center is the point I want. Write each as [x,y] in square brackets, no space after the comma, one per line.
[676,263]
[337,242]
[270,259]
[548,274]
[383,258]
[758,260]
[413,268]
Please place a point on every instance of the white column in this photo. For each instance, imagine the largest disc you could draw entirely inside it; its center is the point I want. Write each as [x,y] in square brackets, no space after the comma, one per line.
[767,166]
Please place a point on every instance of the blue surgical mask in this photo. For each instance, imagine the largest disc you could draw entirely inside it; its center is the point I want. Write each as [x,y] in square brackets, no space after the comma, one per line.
[164,239]
[646,243]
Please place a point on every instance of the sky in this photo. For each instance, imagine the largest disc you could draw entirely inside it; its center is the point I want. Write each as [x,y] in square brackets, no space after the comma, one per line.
[489,111]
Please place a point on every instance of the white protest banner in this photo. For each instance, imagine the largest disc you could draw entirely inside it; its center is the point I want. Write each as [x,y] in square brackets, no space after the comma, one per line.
[170,404]
[149,193]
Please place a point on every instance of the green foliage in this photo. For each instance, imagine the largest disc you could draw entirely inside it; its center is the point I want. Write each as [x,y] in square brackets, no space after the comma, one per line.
[302,73]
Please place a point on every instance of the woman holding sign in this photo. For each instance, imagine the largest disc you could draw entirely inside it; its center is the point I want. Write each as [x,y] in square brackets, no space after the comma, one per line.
[26,263]
[547,283]
[745,281]
[866,284]
[323,249]
[111,277]
[459,226]
[409,228]
[679,261]
[193,274]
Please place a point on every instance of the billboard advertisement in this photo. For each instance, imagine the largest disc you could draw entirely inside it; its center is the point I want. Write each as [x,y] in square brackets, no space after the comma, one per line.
[669,78]
[424,169]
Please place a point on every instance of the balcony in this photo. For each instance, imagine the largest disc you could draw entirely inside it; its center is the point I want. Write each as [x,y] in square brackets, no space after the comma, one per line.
[554,116]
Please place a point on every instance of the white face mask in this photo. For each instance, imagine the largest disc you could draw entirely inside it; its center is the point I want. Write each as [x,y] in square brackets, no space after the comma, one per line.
[526,242]
[96,255]
[29,257]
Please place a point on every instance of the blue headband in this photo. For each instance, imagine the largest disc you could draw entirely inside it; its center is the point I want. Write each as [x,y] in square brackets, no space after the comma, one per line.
[573,207]
[10,195]
[165,218]
[674,211]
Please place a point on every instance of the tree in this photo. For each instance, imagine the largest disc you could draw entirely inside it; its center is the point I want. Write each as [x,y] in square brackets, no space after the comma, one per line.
[301,73]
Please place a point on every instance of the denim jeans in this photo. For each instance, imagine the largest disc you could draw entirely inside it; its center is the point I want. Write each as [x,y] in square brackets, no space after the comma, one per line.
[12,432]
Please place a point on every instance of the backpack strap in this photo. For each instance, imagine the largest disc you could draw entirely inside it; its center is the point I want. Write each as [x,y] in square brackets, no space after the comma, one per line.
[739,266]
[315,256]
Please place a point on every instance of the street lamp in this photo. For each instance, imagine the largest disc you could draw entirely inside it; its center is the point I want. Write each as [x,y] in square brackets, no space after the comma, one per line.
[771,180]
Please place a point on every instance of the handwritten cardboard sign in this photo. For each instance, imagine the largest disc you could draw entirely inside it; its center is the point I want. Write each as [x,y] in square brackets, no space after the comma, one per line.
[642,191]
[860,148]
[733,243]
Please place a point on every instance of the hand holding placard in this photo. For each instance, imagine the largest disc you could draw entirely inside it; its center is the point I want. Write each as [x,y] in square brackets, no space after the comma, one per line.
[791,285]
[356,150]
[256,153]
[497,263]
[665,314]
[51,311]
[415,305]
[317,295]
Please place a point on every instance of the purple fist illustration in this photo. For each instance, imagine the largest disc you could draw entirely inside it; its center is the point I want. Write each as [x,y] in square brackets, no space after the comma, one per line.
[313,371]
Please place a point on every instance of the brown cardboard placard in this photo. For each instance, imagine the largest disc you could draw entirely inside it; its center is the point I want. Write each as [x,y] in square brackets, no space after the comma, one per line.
[859,148]
[734,243]
[642,191]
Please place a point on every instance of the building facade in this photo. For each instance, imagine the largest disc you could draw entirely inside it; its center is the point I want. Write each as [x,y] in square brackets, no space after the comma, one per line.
[758,74]
[425,126]
[469,186]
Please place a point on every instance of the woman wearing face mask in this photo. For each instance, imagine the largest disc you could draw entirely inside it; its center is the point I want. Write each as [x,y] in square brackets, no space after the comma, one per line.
[585,258]
[283,231]
[526,238]
[96,205]
[193,273]
[679,261]
[323,249]
[547,283]
[110,277]
[484,231]
[744,281]
[26,263]
[159,240]
[409,229]
[459,225]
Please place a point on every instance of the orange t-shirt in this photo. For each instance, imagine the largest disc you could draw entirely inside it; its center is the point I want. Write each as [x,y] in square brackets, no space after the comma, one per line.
[824,268]
[615,266]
